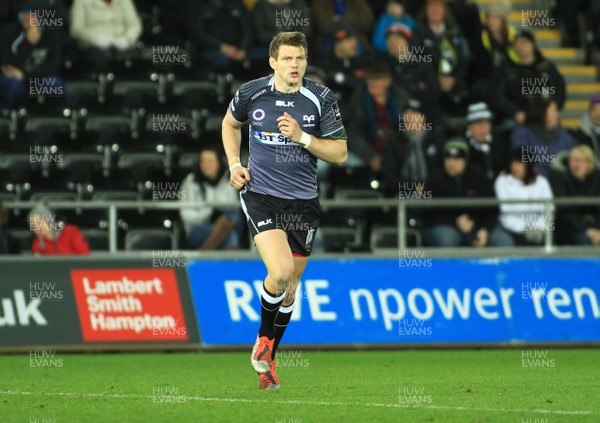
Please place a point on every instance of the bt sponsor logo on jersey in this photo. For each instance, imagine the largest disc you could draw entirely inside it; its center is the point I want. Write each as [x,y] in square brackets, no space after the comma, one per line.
[271,138]
[282,103]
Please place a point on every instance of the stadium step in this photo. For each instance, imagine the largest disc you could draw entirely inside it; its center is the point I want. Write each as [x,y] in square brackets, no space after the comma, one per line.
[570,123]
[581,74]
[578,91]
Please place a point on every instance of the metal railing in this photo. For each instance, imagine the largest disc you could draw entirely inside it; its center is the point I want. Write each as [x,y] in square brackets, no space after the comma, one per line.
[402,206]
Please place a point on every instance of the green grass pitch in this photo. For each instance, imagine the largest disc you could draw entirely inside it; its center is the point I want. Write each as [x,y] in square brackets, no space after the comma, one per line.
[391,386]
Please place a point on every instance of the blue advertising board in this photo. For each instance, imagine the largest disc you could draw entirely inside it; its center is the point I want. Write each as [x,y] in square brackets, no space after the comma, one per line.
[407,300]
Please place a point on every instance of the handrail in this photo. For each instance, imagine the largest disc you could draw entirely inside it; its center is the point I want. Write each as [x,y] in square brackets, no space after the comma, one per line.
[401,204]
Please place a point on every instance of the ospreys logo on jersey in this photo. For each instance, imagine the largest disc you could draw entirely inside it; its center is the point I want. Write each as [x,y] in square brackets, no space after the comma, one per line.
[270,138]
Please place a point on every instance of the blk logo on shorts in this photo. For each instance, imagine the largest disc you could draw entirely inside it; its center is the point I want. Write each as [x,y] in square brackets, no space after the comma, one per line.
[265,222]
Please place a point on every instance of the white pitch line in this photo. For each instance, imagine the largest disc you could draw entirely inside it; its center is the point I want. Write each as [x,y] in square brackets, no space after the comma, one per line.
[300,402]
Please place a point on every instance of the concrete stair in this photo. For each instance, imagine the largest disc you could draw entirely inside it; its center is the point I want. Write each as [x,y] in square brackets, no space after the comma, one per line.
[582,81]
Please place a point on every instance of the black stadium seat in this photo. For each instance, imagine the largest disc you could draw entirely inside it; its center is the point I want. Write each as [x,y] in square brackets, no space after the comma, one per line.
[338,239]
[150,239]
[97,239]
[24,237]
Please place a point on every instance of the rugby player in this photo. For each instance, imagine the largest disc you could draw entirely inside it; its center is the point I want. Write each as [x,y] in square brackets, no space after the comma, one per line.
[293,121]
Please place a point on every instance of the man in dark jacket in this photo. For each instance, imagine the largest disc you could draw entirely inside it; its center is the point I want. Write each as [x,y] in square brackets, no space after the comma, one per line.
[221,30]
[533,76]
[456,226]
[374,121]
[345,63]
[578,225]
[30,57]
[588,132]
[488,149]
[411,69]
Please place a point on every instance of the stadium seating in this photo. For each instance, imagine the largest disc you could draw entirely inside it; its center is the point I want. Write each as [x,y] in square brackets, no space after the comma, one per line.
[150,239]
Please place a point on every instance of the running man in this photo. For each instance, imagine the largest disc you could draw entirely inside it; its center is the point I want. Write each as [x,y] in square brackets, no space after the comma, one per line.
[293,121]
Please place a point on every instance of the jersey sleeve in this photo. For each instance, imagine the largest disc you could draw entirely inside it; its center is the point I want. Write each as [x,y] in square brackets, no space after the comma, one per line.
[331,124]
[238,107]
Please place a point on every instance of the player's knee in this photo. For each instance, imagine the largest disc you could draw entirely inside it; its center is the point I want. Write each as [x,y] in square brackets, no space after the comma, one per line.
[282,276]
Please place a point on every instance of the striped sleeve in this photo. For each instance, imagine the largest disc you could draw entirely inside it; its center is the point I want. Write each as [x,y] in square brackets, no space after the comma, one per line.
[331,124]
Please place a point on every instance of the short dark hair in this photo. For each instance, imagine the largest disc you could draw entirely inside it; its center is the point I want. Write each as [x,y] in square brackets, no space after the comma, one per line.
[378,69]
[293,38]
[537,109]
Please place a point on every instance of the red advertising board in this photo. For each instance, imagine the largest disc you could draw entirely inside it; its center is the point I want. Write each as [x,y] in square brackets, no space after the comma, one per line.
[129,305]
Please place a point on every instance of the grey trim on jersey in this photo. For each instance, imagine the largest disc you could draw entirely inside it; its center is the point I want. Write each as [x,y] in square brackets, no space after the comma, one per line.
[309,94]
[341,128]
[245,209]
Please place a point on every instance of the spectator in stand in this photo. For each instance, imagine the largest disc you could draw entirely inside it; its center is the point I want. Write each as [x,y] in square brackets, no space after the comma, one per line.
[346,62]
[411,71]
[497,38]
[206,227]
[8,244]
[327,13]
[588,132]
[515,82]
[105,24]
[467,18]
[542,138]
[487,148]
[422,143]
[525,223]
[30,57]
[580,177]
[455,226]
[374,121]
[449,52]
[53,236]
[272,16]
[569,11]
[221,31]
[316,74]
[394,14]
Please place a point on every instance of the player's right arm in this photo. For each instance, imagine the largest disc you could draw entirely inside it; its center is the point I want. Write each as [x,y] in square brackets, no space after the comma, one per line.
[231,132]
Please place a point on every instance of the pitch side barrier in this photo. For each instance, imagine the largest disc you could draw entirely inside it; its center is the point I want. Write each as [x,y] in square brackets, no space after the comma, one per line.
[401,205]
[56,303]
[414,300]
[435,298]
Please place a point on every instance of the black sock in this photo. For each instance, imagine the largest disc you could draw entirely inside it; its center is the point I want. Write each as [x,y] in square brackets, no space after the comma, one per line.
[270,305]
[281,321]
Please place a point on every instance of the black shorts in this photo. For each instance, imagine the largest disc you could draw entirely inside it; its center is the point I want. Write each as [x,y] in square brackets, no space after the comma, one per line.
[299,219]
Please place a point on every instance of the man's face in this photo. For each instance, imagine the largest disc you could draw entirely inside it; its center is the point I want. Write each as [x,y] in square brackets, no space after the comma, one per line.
[579,165]
[346,48]
[397,45]
[480,130]
[455,166]
[378,86]
[523,48]
[29,19]
[595,114]
[290,65]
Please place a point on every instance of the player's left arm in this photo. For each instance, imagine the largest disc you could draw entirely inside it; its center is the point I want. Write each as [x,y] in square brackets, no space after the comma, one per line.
[333,150]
